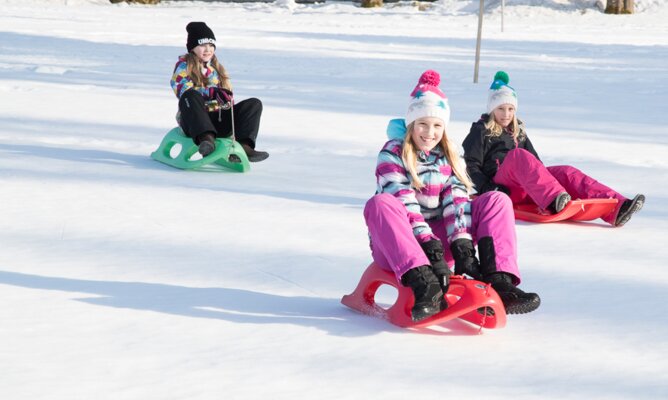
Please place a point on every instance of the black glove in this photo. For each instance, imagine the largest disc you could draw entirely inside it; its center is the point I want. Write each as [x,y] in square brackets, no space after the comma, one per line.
[223,97]
[465,261]
[433,249]
[501,188]
[225,94]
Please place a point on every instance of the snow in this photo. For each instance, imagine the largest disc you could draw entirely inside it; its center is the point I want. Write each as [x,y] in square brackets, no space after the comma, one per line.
[122,278]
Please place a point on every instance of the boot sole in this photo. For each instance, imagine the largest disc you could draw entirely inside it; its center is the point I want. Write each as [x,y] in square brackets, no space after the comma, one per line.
[636,206]
[562,201]
[524,307]
[258,158]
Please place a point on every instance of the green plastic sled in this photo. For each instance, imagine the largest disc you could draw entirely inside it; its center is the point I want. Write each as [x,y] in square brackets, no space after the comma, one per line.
[219,157]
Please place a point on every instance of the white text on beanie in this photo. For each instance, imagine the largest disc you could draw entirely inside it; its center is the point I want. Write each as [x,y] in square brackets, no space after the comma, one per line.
[199,33]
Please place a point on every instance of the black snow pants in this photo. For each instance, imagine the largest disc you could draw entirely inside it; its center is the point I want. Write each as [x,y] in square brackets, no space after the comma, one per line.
[195,120]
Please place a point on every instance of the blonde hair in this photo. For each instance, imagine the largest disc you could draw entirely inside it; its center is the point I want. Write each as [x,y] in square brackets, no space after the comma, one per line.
[495,129]
[194,71]
[409,157]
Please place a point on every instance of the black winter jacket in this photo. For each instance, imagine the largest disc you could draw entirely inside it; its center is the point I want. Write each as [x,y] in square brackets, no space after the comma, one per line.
[484,153]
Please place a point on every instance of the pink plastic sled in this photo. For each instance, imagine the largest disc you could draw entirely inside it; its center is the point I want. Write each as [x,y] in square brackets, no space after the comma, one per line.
[575,210]
[466,300]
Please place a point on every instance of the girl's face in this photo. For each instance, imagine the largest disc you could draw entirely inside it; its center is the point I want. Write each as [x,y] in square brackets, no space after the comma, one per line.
[427,132]
[504,114]
[204,52]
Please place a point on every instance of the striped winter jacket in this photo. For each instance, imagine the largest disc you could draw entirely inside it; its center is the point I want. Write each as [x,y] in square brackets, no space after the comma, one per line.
[181,81]
[443,196]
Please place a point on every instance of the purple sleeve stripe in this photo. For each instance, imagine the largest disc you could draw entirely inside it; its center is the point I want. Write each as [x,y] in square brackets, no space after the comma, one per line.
[388,167]
[415,216]
[404,193]
[431,190]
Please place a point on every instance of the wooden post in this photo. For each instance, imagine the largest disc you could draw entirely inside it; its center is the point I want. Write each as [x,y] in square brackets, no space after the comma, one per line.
[477,45]
[620,7]
[503,11]
[629,6]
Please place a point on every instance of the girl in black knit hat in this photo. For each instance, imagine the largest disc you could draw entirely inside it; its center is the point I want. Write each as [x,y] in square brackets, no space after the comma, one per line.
[206,106]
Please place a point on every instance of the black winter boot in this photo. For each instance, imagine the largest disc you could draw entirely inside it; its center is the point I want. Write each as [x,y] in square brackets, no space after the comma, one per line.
[206,143]
[560,202]
[433,249]
[465,261]
[628,208]
[514,299]
[254,155]
[427,291]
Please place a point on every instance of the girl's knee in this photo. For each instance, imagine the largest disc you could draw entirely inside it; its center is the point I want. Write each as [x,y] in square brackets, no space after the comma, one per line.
[254,103]
[521,154]
[382,198]
[498,198]
[564,170]
[493,205]
[378,202]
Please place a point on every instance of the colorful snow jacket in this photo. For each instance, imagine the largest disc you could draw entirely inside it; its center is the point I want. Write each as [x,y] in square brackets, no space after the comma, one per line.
[443,197]
[485,153]
[181,81]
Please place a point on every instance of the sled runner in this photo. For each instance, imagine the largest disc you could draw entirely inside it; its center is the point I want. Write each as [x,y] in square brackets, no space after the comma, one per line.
[183,160]
[465,297]
[575,210]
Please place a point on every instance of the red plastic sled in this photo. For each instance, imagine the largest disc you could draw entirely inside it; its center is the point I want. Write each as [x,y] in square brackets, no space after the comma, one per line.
[464,297]
[575,210]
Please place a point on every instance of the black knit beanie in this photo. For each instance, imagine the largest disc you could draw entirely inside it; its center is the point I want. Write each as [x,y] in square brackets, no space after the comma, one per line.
[199,33]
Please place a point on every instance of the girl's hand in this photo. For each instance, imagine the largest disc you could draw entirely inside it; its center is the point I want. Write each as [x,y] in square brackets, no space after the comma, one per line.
[222,95]
[225,95]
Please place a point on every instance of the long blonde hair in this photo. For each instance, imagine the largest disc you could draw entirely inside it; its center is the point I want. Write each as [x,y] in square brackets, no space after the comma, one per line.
[409,157]
[495,129]
[194,71]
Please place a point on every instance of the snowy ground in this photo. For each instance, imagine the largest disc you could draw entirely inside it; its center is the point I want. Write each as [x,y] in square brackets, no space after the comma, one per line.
[122,278]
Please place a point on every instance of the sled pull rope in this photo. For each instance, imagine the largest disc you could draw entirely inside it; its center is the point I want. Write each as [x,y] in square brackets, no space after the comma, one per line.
[482,323]
[220,110]
[232,115]
[484,315]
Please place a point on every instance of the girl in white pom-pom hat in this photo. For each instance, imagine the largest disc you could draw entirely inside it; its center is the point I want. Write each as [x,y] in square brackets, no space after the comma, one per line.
[500,157]
[421,217]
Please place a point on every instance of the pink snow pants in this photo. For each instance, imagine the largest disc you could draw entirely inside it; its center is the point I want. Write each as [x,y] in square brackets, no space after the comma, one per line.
[395,248]
[530,181]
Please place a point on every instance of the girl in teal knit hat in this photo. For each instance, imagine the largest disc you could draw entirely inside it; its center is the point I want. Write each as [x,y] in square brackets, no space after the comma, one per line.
[500,157]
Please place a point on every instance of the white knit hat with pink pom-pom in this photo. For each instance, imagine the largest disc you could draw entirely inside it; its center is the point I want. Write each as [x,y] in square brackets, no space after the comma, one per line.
[427,99]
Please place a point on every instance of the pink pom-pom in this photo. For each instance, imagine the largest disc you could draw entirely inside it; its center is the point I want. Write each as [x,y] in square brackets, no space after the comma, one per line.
[430,77]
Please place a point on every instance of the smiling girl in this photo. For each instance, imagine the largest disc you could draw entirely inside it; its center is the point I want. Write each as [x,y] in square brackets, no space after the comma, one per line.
[422,203]
[206,107]
[500,157]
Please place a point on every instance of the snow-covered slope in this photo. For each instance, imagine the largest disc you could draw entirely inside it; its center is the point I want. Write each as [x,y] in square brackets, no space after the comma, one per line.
[122,278]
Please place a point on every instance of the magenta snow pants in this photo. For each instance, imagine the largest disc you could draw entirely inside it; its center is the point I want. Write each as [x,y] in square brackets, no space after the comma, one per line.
[395,248]
[530,181]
